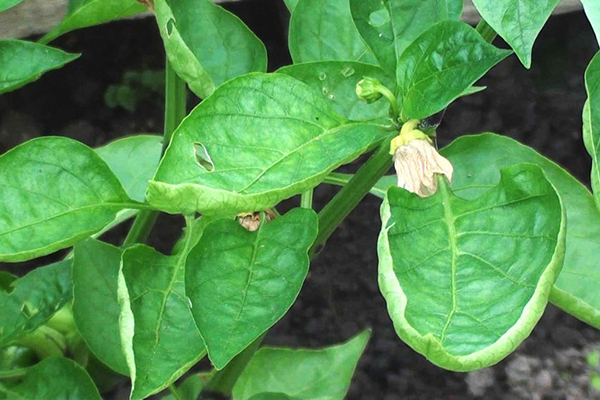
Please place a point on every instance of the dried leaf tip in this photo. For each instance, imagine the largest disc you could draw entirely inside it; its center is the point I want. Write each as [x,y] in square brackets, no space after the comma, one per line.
[417,161]
[147,3]
[251,221]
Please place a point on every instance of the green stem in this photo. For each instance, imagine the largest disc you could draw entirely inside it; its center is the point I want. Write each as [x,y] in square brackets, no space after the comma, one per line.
[175,110]
[175,392]
[387,93]
[352,193]
[486,31]
[224,380]
[306,200]
[13,373]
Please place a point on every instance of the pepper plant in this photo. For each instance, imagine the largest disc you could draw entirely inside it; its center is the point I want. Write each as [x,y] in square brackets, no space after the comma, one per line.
[475,239]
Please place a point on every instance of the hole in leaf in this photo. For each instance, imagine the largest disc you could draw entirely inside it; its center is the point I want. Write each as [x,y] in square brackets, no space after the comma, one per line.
[6,282]
[203,158]
[170,26]
[29,310]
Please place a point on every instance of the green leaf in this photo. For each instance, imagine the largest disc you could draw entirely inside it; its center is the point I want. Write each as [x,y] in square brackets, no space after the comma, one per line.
[53,378]
[291,4]
[6,4]
[440,65]
[389,26]
[592,10]
[29,302]
[336,81]
[133,160]
[517,21]
[190,389]
[467,280]
[323,30]
[302,374]
[231,156]
[24,62]
[206,44]
[591,121]
[455,9]
[162,342]
[86,13]
[55,192]
[95,302]
[240,283]
[476,160]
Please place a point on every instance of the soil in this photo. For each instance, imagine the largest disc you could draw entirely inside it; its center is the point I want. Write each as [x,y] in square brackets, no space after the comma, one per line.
[540,107]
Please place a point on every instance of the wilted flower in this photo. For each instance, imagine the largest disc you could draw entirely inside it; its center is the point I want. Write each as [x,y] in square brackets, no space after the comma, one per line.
[251,221]
[417,161]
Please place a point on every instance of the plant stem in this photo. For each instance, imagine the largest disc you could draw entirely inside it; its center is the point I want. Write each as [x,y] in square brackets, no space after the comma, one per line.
[352,193]
[306,199]
[175,392]
[224,380]
[13,373]
[486,31]
[175,110]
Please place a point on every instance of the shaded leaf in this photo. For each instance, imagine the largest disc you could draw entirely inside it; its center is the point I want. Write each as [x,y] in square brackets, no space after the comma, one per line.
[27,303]
[240,283]
[133,160]
[206,44]
[229,156]
[467,280]
[157,328]
[301,374]
[53,378]
[476,161]
[440,65]
[323,30]
[85,13]
[54,192]
[336,81]
[24,62]
[389,26]
[517,21]
[591,122]
[190,389]
[95,302]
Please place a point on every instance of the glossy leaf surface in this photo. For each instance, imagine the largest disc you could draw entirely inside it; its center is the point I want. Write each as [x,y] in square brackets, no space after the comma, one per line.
[85,13]
[467,280]
[24,62]
[230,156]
[592,10]
[476,160]
[206,44]
[53,378]
[323,30]
[240,283]
[6,4]
[163,341]
[95,302]
[517,21]
[591,122]
[133,160]
[54,192]
[336,81]
[389,26]
[302,373]
[28,302]
[440,65]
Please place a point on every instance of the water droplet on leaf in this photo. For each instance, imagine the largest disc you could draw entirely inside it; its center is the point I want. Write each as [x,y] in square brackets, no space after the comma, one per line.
[322,76]
[347,72]
[325,90]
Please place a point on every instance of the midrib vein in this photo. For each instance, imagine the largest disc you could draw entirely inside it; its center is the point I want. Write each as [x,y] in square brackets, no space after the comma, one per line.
[449,218]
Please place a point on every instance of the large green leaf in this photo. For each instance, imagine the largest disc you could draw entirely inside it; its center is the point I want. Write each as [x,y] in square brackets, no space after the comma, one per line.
[336,81]
[591,121]
[158,331]
[85,13]
[291,4]
[28,302]
[231,156]
[440,65]
[455,8]
[389,26]
[6,4]
[240,283]
[301,374]
[134,161]
[53,378]
[323,30]
[467,280]
[592,10]
[54,192]
[476,160]
[24,62]
[517,21]
[206,44]
[95,302]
